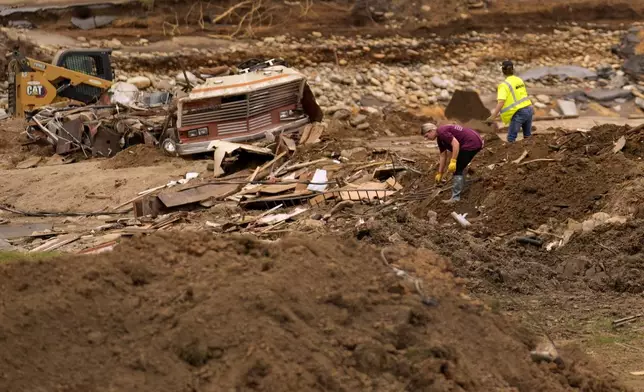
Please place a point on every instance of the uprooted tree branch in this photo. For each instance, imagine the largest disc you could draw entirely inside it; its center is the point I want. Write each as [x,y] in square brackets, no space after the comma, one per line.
[234,19]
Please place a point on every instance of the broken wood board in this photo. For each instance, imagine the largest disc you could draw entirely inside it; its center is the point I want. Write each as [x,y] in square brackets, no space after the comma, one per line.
[276,188]
[387,171]
[223,148]
[149,205]
[195,195]
[640,373]
[366,191]
[100,248]
[56,243]
[311,134]
[303,165]
[266,202]
[323,198]
[364,194]
[391,181]
[277,218]
[288,143]
[619,145]
[29,163]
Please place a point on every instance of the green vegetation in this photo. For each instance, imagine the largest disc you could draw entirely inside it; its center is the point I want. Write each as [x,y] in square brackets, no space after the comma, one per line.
[11,256]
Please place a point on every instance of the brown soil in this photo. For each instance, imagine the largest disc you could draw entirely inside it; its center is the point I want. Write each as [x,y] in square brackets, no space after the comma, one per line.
[606,259]
[200,313]
[138,155]
[509,197]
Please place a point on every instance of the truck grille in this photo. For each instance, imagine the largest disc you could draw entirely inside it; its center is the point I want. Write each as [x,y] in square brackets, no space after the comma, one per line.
[255,106]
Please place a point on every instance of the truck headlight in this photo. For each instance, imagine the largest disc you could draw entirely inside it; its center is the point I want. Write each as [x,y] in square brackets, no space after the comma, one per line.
[286,114]
[198,132]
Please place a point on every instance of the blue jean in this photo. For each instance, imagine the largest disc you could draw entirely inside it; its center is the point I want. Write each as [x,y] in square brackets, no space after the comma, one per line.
[522,118]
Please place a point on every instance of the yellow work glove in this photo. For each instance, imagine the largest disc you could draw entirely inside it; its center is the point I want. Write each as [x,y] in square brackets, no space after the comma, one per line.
[438,178]
[452,166]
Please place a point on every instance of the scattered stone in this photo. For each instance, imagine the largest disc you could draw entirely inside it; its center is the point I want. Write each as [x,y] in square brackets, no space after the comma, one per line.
[543,98]
[358,119]
[181,79]
[342,115]
[141,82]
[363,126]
[639,102]
[440,83]
[316,34]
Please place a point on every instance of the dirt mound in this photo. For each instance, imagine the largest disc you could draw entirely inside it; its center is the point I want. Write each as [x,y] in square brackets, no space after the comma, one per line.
[606,259]
[200,313]
[563,176]
[136,156]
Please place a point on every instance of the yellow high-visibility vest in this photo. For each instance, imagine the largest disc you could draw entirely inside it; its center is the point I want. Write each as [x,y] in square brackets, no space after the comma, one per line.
[513,91]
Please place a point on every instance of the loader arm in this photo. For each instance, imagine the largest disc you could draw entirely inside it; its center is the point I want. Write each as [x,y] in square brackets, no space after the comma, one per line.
[36,84]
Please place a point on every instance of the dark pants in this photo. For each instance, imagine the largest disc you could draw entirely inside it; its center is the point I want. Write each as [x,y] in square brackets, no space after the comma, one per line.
[521,119]
[464,159]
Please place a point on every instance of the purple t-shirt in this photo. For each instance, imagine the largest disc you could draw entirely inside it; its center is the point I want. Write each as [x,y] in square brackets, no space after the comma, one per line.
[469,139]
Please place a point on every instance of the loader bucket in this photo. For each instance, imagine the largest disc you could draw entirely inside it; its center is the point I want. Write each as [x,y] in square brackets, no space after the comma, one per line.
[467,108]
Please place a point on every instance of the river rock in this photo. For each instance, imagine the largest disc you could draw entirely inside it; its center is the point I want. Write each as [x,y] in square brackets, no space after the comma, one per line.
[141,82]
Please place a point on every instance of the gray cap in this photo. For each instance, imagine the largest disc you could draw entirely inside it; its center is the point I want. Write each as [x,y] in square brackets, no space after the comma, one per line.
[427,127]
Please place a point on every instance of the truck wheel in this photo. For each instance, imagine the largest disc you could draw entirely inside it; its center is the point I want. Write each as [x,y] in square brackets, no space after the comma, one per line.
[169,147]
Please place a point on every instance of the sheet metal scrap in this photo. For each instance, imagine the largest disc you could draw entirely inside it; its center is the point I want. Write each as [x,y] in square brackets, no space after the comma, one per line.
[96,130]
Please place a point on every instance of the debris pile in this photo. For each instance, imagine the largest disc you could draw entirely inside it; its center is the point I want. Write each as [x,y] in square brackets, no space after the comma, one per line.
[170,312]
[97,130]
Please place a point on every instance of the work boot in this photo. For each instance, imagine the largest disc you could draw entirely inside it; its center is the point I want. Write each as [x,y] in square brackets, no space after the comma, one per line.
[458,182]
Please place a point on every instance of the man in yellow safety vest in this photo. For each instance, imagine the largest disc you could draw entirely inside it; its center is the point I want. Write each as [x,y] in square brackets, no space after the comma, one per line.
[513,104]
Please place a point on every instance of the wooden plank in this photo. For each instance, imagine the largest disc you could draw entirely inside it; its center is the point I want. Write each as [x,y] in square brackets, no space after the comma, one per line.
[276,188]
[29,163]
[365,194]
[55,243]
[149,205]
[311,134]
[263,202]
[195,195]
[289,143]
[391,181]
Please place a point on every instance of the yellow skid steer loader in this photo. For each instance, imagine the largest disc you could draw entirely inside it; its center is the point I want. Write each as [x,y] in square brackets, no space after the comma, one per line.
[76,77]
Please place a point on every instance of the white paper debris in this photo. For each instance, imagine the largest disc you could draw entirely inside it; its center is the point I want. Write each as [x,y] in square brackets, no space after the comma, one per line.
[318,177]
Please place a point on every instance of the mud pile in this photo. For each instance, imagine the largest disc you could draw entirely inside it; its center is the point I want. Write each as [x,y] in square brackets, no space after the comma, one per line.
[199,313]
[139,155]
[565,175]
[608,259]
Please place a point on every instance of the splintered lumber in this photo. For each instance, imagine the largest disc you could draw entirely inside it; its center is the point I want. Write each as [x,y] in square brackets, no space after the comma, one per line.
[311,134]
[391,181]
[290,199]
[223,148]
[29,163]
[626,319]
[195,195]
[56,243]
[365,191]
[302,165]
[619,145]
[276,188]
[289,143]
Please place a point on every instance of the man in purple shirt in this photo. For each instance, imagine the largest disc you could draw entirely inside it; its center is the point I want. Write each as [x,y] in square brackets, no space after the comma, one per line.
[457,144]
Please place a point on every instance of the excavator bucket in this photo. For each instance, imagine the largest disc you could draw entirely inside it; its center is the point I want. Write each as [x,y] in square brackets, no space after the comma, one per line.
[467,108]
